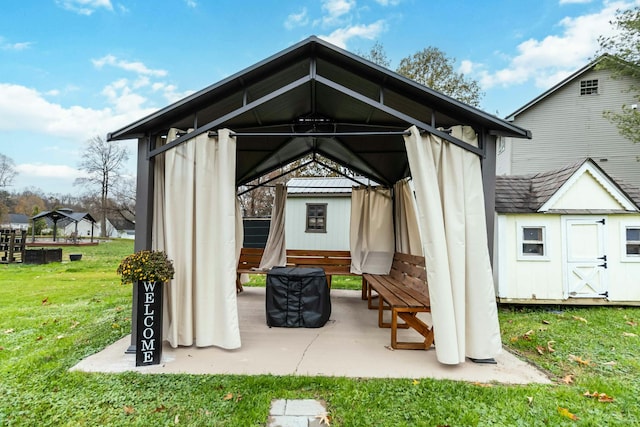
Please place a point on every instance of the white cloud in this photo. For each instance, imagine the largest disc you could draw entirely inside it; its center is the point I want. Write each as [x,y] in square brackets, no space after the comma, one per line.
[26,109]
[191,3]
[84,7]
[555,56]
[136,66]
[388,2]
[335,10]
[341,36]
[5,45]
[42,170]
[297,19]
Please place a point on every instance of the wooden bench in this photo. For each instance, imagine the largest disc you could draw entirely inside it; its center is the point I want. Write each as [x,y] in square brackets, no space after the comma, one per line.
[404,291]
[333,262]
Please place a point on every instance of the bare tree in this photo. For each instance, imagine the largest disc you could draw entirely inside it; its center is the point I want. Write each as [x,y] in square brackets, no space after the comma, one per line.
[7,171]
[102,161]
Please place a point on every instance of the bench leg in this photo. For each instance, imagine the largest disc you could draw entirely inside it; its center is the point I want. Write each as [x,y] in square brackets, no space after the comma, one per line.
[238,284]
[411,320]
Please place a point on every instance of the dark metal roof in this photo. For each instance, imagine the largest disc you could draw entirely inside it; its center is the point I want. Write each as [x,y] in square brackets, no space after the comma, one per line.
[318,89]
[65,214]
[528,193]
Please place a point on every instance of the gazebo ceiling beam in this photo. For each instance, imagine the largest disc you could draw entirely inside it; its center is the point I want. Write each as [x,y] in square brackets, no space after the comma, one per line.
[239,111]
[398,114]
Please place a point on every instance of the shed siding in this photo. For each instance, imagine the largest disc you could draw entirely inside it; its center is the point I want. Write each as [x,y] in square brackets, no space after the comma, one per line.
[567,126]
[338,217]
[543,280]
[587,193]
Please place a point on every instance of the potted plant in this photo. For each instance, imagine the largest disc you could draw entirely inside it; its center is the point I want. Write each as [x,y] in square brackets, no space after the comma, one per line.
[148,270]
[146,266]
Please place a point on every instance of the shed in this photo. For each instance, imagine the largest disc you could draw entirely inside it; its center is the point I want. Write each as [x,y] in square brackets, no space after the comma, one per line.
[312,99]
[318,211]
[78,223]
[568,236]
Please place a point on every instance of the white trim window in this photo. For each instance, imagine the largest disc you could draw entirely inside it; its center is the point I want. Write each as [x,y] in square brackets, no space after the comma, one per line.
[316,218]
[630,242]
[532,242]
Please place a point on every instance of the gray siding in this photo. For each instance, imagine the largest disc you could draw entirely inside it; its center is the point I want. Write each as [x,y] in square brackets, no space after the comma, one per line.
[567,126]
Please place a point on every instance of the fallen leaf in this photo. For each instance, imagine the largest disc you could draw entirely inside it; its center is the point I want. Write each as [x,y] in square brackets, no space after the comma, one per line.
[527,335]
[324,419]
[549,348]
[581,319]
[610,363]
[602,397]
[60,337]
[632,323]
[629,334]
[415,382]
[567,379]
[176,420]
[1,348]
[160,408]
[228,396]
[45,301]
[540,349]
[565,413]
[579,360]
[546,322]
[74,324]
[129,410]
[483,384]
[39,338]
[530,400]
[514,339]
[9,331]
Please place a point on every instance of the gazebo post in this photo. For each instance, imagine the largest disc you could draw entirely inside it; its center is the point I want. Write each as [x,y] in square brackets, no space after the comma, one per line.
[144,219]
[489,185]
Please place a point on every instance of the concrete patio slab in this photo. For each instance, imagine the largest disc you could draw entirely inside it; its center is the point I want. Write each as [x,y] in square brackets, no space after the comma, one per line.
[349,345]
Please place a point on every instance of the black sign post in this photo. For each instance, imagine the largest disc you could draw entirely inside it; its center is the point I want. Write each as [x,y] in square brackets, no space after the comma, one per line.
[149,324]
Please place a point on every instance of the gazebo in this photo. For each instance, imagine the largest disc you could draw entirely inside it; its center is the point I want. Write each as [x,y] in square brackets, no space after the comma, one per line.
[65,216]
[315,99]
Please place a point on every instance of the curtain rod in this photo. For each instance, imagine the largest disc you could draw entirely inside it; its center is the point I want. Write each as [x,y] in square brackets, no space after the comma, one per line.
[313,134]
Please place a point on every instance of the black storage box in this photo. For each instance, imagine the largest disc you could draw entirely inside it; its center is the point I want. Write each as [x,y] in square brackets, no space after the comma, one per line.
[297,297]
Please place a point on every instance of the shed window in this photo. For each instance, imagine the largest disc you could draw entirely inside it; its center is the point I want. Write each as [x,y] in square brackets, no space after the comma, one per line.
[633,241]
[316,218]
[589,87]
[533,244]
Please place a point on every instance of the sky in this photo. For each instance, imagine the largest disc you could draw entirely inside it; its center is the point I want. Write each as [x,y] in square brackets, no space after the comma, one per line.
[71,70]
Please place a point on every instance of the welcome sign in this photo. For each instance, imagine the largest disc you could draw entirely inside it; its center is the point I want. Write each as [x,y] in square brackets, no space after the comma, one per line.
[149,324]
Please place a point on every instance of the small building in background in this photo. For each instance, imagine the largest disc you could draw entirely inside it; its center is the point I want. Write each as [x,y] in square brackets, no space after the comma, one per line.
[15,222]
[568,236]
[318,212]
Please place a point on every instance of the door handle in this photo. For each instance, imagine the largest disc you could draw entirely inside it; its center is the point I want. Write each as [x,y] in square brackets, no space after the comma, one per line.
[603,265]
[604,258]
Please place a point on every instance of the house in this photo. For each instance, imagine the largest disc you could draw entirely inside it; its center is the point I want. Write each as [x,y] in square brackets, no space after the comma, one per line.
[568,236]
[16,222]
[567,124]
[318,212]
[121,225]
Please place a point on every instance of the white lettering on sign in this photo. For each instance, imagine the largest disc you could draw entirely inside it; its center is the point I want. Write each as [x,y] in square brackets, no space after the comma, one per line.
[148,346]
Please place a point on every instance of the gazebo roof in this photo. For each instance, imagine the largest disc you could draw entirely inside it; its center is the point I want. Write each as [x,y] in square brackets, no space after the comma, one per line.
[315,98]
[66,214]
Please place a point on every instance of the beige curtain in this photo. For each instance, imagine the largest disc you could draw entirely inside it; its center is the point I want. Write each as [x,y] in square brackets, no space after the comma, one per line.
[197,216]
[449,196]
[275,251]
[406,219]
[371,239]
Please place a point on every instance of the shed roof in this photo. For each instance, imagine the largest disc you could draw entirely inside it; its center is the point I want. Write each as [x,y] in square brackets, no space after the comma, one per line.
[316,98]
[528,193]
[324,185]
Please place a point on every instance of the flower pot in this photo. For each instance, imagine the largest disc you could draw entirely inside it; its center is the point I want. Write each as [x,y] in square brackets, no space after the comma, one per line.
[75,257]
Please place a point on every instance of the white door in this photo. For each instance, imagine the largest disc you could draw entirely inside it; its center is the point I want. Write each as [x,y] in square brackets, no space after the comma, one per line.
[585,257]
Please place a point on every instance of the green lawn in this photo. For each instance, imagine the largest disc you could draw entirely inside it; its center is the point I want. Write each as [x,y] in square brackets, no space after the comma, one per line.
[54,315]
